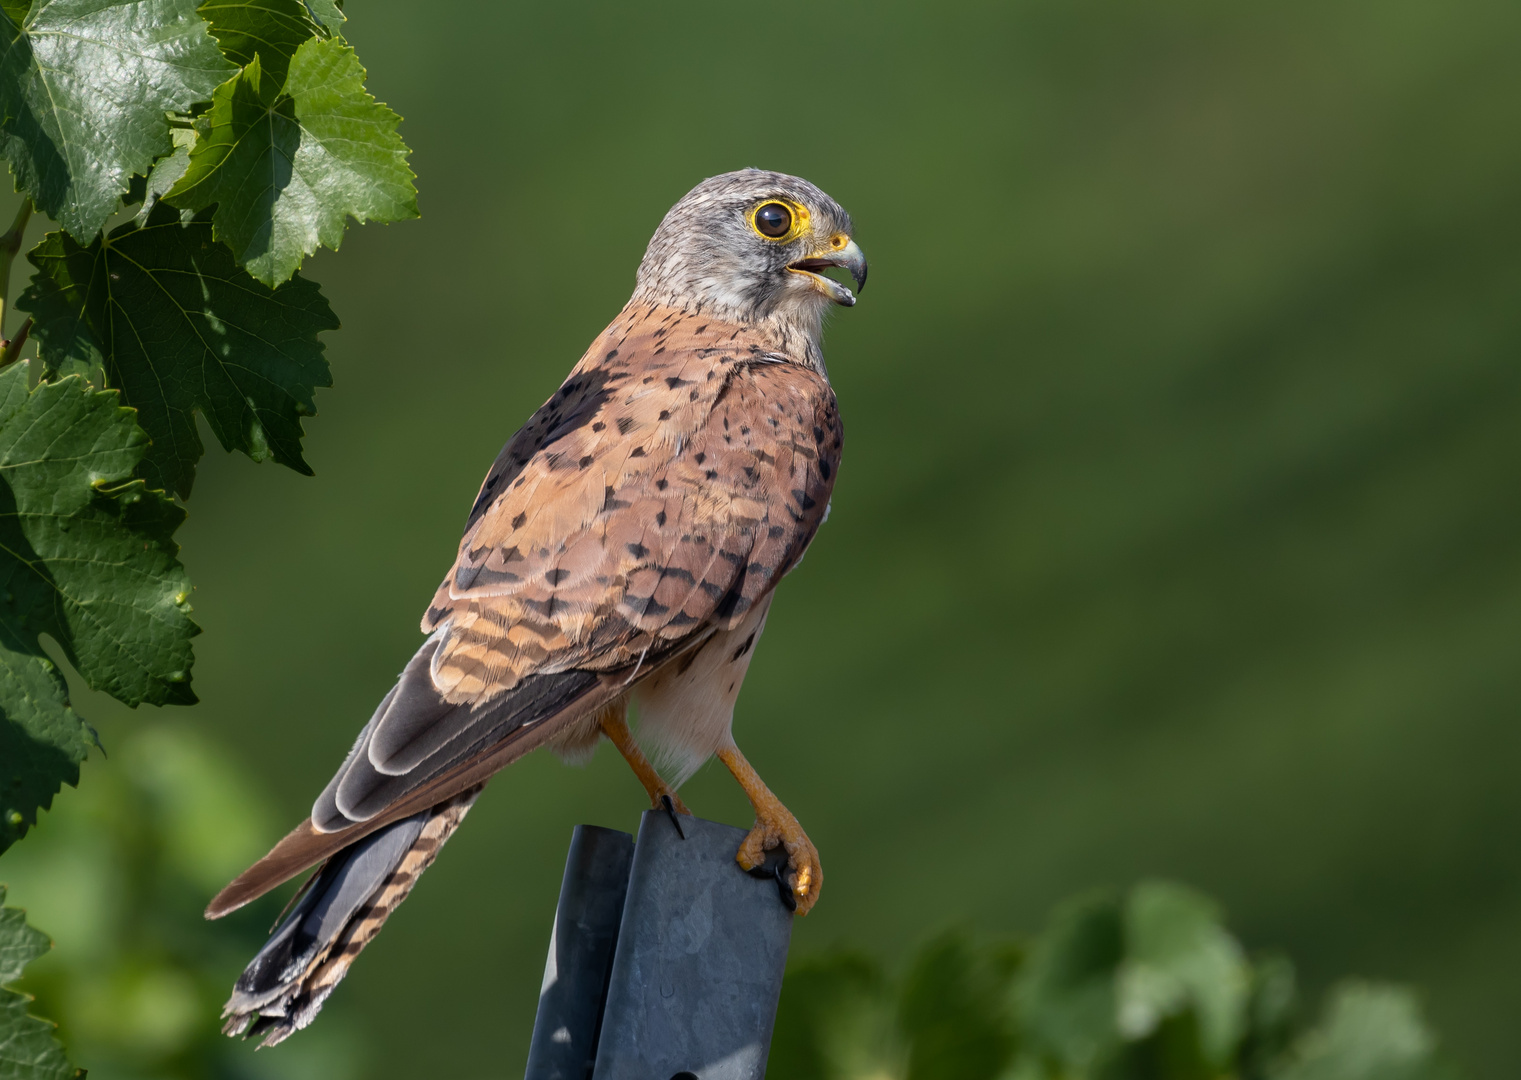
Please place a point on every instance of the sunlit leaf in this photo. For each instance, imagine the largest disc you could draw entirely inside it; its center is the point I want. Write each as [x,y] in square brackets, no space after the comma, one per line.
[84,89]
[178,327]
[286,165]
[28,1048]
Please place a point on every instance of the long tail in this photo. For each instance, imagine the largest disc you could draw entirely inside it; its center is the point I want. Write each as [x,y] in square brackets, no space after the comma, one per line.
[337,914]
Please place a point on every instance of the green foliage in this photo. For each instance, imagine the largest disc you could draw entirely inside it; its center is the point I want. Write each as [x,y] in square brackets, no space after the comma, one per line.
[289,155]
[122,870]
[250,116]
[28,1050]
[1146,987]
[86,557]
[101,99]
[179,328]
[85,86]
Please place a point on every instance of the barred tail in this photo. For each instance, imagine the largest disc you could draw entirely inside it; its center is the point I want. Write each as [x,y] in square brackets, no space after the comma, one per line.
[336,915]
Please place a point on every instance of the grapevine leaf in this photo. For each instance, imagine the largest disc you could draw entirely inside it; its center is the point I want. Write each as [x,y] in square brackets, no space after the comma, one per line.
[179,328]
[272,30]
[167,172]
[42,740]
[1065,996]
[84,89]
[28,1048]
[286,168]
[87,556]
[328,12]
[1370,1032]
[1180,956]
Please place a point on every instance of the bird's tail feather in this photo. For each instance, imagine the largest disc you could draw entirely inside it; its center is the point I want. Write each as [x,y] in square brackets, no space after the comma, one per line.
[335,917]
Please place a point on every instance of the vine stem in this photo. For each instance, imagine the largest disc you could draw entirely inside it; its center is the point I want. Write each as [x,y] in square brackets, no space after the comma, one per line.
[10,247]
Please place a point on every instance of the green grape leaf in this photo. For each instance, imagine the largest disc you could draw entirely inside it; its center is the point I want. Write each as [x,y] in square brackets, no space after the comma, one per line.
[836,1020]
[85,86]
[1370,1032]
[167,172]
[178,327]
[87,557]
[42,740]
[1178,956]
[28,1048]
[271,29]
[328,12]
[953,1011]
[1065,995]
[285,168]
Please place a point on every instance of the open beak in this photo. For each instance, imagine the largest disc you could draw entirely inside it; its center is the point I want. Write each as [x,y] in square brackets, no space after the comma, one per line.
[849,258]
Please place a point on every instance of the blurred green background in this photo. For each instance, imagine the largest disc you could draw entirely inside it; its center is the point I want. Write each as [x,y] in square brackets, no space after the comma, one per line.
[1179,529]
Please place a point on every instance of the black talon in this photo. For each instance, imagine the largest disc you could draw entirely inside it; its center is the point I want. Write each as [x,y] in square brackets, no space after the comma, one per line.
[775,867]
[670,809]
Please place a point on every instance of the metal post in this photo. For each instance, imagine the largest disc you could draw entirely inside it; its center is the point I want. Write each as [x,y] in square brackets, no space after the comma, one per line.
[580,954]
[698,970]
[698,965]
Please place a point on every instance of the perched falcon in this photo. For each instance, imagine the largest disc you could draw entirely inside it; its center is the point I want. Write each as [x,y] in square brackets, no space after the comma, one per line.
[624,545]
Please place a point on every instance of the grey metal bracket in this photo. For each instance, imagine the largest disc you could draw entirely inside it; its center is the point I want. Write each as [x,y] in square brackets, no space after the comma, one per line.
[666,958]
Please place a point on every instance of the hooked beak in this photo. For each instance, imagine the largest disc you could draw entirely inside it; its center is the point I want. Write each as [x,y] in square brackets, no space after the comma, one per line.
[849,258]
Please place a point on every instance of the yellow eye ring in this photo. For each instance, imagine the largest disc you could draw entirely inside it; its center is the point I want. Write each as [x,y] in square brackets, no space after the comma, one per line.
[779,220]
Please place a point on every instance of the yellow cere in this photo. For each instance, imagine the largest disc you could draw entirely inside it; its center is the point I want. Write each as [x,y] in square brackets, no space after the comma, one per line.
[800,223]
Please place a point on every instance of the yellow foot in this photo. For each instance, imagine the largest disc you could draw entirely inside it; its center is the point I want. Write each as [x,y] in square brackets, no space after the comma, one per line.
[804,874]
[776,828]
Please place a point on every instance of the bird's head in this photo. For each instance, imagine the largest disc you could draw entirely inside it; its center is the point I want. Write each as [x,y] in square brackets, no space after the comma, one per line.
[751,247]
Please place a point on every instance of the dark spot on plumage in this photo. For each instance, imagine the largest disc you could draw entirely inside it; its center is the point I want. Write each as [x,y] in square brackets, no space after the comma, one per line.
[743,648]
[599,426]
[735,557]
[519,481]
[637,451]
[511,554]
[648,379]
[712,374]
[692,396]
[681,618]
[818,433]
[743,430]
[587,460]
[638,551]
[673,381]
[611,354]
[662,484]
[772,421]
[555,576]
[700,457]
[649,606]
[751,473]
[665,414]
[659,517]
[711,474]
[825,468]
[610,500]
[517,522]
[657,353]
[700,329]
[711,588]
[803,499]
[624,424]
[775,531]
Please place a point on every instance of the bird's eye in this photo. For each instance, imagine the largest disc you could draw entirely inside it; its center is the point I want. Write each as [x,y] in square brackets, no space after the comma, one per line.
[773,219]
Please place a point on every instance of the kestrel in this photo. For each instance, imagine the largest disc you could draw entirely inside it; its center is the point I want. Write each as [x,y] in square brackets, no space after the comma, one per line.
[624,546]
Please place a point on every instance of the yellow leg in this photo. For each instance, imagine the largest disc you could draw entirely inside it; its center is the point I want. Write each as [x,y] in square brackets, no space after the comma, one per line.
[775,825]
[613,721]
